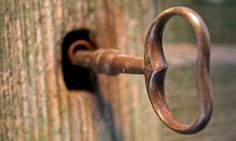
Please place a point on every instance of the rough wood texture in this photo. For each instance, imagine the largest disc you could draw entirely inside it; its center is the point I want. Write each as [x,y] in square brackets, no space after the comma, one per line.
[35,103]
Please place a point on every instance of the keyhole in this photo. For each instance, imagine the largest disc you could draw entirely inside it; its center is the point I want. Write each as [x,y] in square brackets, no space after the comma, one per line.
[77,77]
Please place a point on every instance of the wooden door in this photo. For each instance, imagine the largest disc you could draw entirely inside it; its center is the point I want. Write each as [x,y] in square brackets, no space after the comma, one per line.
[36,104]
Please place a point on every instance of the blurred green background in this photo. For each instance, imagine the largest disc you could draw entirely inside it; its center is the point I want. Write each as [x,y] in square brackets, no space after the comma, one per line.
[181,92]
[219,16]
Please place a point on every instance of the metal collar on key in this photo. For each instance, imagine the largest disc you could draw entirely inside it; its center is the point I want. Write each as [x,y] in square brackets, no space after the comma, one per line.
[154,67]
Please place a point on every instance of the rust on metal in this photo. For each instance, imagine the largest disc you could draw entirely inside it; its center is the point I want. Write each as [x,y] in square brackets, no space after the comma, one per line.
[154,67]
[109,61]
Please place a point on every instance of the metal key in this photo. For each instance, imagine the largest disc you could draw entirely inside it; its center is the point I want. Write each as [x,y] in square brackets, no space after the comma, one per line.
[154,67]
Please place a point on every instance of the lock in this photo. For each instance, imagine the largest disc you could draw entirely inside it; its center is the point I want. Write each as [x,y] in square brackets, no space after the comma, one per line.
[77,77]
[153,66]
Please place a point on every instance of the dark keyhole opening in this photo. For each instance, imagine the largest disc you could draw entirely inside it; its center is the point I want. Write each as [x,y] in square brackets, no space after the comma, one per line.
[77,77]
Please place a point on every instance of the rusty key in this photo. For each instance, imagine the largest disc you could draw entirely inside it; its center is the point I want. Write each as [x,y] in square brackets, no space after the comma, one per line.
[154,67]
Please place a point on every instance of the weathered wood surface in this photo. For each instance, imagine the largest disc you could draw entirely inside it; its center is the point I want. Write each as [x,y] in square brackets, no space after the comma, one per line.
[35,104]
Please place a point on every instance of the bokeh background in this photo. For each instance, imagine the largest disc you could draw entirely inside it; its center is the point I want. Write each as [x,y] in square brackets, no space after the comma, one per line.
[219,16]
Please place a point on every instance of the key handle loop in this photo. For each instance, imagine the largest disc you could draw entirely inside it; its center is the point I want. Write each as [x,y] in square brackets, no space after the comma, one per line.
[155,69]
